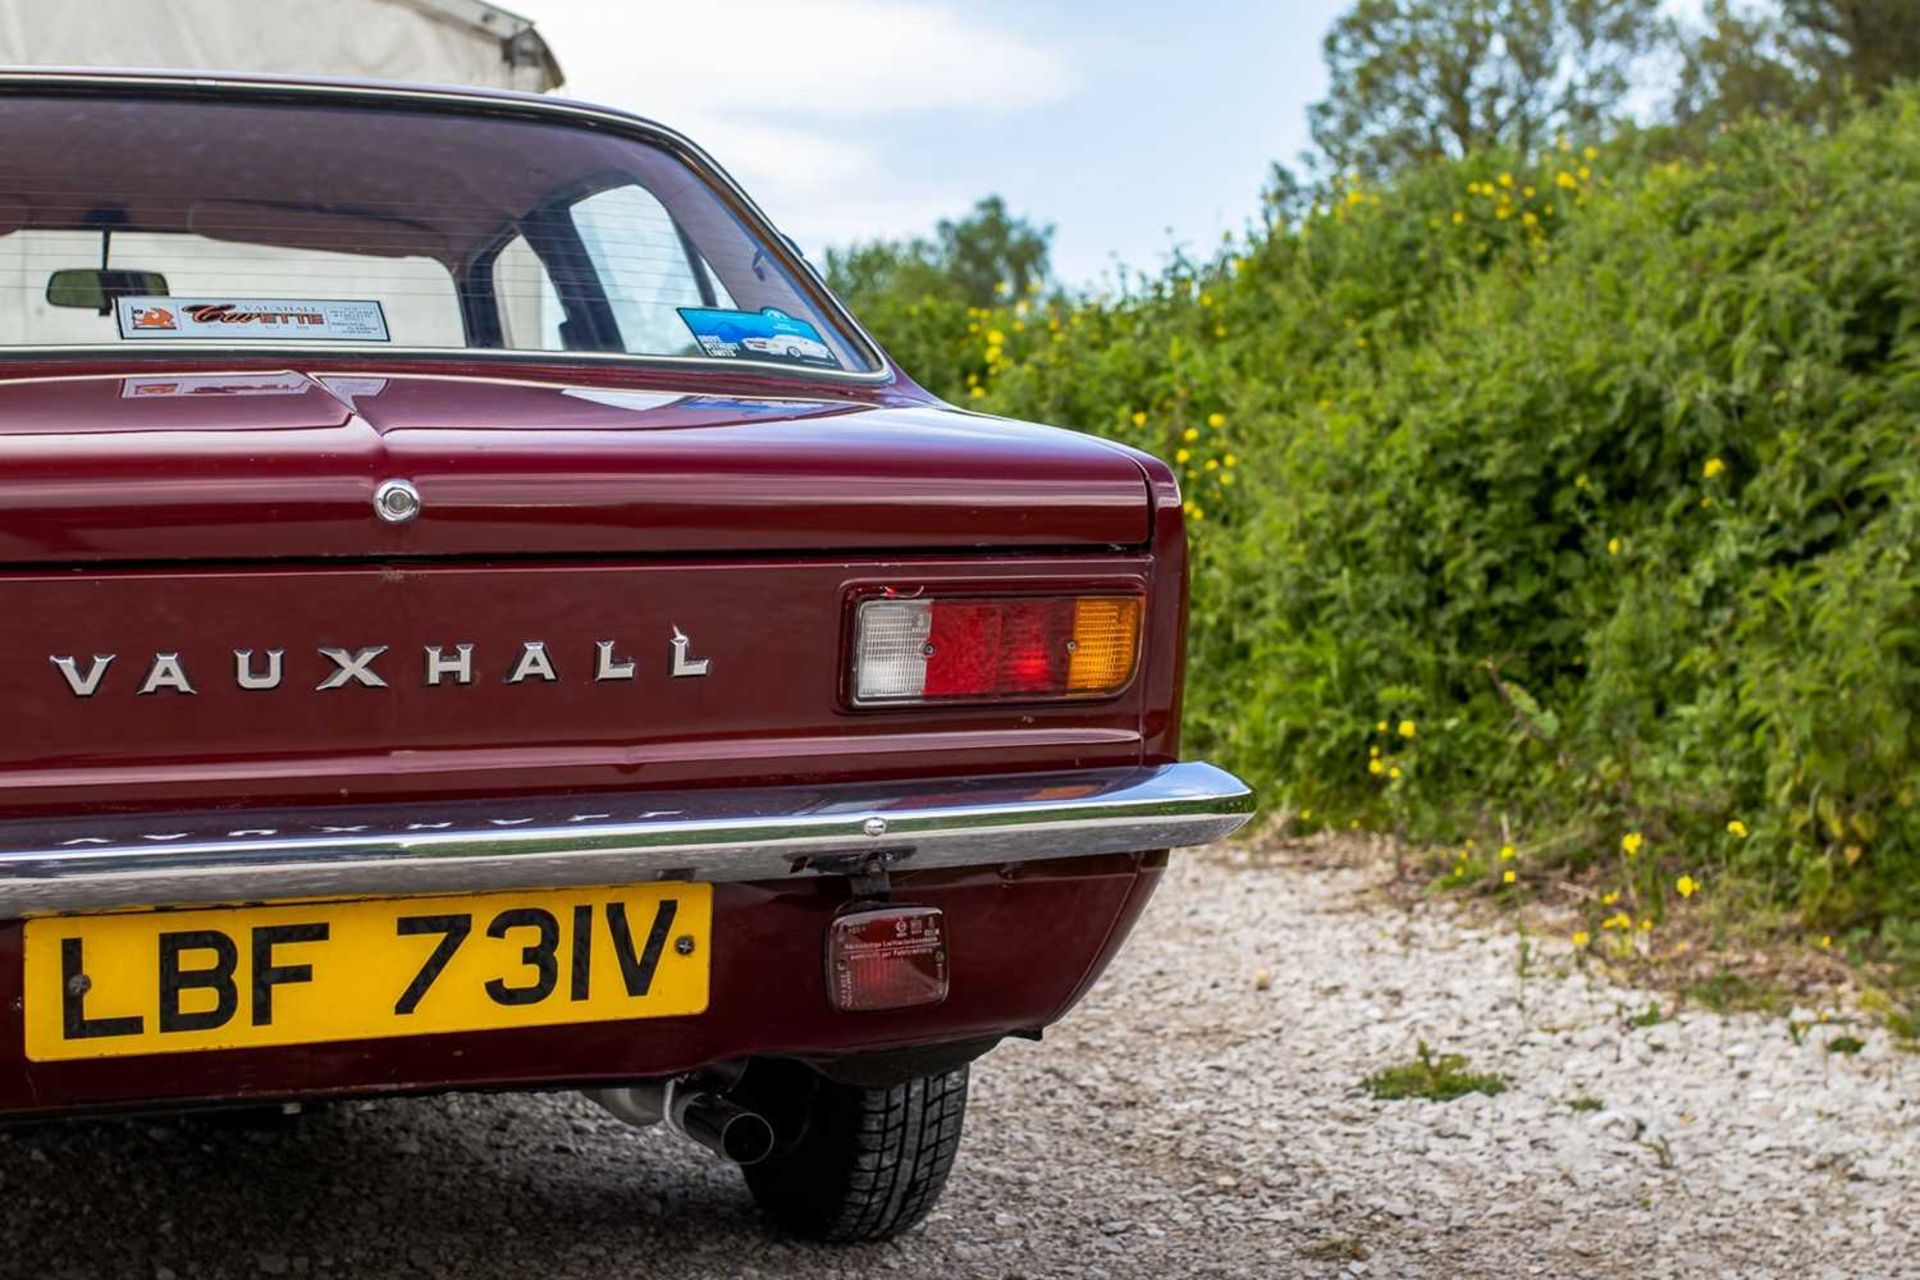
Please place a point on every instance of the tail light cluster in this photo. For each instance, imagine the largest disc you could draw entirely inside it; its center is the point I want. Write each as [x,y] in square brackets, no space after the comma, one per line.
[987,649]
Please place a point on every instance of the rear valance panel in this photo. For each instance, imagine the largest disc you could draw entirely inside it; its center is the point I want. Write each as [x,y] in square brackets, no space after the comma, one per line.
[283,465]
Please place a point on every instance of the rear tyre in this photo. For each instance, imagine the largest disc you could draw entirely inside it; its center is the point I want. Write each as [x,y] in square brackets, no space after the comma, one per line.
[863,1163]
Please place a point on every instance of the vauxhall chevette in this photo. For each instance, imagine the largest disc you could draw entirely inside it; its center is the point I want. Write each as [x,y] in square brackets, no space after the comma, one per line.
[481,615]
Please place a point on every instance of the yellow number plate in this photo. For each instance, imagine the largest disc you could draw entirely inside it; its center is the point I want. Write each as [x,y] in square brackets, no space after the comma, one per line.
[165,981]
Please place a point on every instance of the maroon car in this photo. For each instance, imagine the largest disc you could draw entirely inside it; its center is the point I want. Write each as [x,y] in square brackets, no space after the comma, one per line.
[480,615]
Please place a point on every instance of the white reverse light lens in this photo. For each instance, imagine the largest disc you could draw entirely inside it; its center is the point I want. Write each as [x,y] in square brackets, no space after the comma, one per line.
[890,654]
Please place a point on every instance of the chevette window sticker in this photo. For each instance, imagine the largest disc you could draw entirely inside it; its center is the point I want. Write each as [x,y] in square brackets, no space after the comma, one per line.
[239,319]
[340,668]
[766,334]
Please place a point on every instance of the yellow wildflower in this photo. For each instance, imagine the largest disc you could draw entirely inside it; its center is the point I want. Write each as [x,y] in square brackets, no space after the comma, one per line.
[1139,418]
[1213,464]
[1381,727]
[1618,920]
[1713,468]
[995,338]
[1190,434]
[1407,728]
[1585,173]
[1458,217]
[1508,853]
[1581,937]
[1566,180]
[978,391]
[1826,941]
[1506,877]
[1226,477]
[1646,925]
[1216,420]
[1219,331]
[1394,772]
[1374,766]
[1630,843]
[1613,546]
[1580,481]
[1686,886]
[1527,192]
[1608,899]
[1591,154]
[1181,456]
[1530,218]
[1506,179]
[1737,829]
[1230,461]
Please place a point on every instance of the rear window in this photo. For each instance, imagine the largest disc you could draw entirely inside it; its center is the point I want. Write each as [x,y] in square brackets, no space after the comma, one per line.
[154,221]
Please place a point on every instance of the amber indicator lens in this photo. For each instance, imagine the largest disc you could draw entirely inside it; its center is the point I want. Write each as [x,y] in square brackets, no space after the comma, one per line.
[986,649]
[889,958]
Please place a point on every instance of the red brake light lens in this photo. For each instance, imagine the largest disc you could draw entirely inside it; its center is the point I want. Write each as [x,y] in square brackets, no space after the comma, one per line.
[889,958]
[989,649]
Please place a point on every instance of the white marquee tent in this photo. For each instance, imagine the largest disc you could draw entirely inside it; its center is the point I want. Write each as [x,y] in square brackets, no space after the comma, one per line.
[431,41]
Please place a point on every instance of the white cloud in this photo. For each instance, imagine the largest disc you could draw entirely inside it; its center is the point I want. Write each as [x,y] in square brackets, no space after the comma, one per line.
[847,59]
[792,98]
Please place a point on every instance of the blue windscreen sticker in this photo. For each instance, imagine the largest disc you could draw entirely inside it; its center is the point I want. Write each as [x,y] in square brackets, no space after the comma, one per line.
[768,334]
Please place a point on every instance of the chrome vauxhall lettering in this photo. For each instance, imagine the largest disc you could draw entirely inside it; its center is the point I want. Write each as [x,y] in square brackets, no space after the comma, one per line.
[356,666]
[451,665]
[84,686]
[246,678]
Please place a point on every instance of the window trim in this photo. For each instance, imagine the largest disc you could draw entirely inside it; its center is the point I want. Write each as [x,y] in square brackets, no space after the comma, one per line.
[453,101]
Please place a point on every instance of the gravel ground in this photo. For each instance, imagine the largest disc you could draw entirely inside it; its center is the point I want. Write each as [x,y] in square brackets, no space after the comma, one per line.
[1183,1122]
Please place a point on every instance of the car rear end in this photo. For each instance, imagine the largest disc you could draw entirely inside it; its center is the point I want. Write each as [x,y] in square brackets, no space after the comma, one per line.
[588,666]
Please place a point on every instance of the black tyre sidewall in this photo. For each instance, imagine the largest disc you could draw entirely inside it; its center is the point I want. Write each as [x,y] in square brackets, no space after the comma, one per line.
[868,1163]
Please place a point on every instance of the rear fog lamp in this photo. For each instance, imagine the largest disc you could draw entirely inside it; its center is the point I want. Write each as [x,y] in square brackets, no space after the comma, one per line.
[993,649]
[887,958]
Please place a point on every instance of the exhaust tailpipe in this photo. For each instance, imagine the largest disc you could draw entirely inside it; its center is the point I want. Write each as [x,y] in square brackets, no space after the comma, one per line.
[729,1131]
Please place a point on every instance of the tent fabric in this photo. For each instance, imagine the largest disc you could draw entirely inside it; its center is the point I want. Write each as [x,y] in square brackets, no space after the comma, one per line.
[465,42]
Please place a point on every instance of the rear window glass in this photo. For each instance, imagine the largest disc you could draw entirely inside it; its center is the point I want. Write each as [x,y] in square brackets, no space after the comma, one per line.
[153,221]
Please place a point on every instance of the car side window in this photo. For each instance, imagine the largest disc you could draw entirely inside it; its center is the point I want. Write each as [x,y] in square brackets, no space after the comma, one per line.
[530,311]
[646,268]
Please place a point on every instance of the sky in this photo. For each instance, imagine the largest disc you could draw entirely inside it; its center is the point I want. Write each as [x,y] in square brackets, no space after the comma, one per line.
[1131,126]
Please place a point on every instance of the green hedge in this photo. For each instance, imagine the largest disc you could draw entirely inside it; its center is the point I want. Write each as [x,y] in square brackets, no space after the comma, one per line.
[1573,496]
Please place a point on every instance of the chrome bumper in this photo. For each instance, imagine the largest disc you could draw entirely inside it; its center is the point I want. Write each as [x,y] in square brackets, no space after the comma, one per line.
[465,846]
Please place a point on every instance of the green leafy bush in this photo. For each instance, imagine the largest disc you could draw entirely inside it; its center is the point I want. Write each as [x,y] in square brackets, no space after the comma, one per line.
[1573,495]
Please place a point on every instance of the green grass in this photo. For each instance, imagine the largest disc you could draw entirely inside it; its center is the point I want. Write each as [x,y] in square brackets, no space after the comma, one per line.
[1729,992]
[1338,1249]
[1848,1045]
[1438,1079]
[1586,1102]
[1648,1017]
